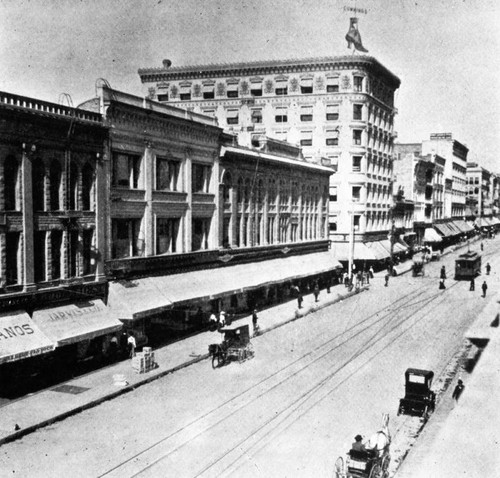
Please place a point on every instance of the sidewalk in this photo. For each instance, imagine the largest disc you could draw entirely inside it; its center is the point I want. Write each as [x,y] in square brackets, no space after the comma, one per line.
[63,400]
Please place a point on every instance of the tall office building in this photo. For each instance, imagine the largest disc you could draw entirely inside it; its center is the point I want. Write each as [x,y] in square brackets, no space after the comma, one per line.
[340,110]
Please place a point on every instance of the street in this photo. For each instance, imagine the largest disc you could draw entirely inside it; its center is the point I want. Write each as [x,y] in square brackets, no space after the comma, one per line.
[291,410]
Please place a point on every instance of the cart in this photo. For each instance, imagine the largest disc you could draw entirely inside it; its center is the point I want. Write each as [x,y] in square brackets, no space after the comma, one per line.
[235,346]
[418,266]
[419,399]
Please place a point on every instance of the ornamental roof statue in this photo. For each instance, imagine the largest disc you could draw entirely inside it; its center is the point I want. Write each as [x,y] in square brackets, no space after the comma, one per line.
[353,37]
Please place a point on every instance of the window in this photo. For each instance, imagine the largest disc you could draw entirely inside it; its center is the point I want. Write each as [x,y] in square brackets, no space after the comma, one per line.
[306,85]
[232,91]
[11,184]
[39,255]
[281,115]
[38,185]
[306,138]
[167,232]
[56,242]
[356,136]
[185,93]
[125,234]
[333,193]
[281,135]
[87,188]
[356,164]
[332,224]
[163,97]
[126,170]
[256,89]
[87,255]
[208,92]
[55,186]
[332,85]
[232,116]
[209,112]
[332,112]
[306,113]
[167,174]
[201,230]
[356,193]
[201,178]
[281,87]
[332,137]
[256,116]
[13,255]
[73,188]
[357,112]
[73,254]
[356,221]
[358,83]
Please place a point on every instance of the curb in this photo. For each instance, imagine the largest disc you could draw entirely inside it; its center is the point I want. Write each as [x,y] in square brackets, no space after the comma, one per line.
[128,388]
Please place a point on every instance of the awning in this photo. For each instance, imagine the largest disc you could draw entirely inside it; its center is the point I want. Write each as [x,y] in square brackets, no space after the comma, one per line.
[454,228]
[398,247]
[361,252]
[21,338]
[139,298]
[431,235]
[72,323]
[444,230]
[465,226]
[484,221]
[379,250]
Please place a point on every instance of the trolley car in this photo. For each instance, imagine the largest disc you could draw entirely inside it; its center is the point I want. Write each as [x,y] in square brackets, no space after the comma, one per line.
[467,265]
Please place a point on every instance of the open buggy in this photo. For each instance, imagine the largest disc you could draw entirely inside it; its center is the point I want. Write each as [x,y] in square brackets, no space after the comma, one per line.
[235,346]
[419,399]
[371,462]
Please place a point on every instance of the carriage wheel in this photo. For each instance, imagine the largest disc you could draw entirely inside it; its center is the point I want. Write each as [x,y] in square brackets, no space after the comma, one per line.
[216,360]
[376,471]
[339,468]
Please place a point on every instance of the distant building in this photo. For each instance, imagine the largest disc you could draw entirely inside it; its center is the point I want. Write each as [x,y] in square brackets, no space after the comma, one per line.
[338,108]
[479,191]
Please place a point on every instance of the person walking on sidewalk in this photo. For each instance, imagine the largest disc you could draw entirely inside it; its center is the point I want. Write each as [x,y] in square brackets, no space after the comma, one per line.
[300,299]
[485,288]
[458,390]
[132,344]
[387,279]
[372,272]
[441,284]
[472,284]
[482,247]
[316,291]
[254,322]
[443,273]
[488,269]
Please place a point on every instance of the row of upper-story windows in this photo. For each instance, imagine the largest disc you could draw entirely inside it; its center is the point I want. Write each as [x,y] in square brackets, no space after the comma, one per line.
[374,193]
[53,187]
[128,173]
[279,87]
[281,114]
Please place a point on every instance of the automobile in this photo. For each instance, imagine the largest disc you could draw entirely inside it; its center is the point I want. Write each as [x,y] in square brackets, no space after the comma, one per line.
[419,399]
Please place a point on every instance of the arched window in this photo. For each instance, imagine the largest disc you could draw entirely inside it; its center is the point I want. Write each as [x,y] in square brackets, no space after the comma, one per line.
[227,186]
[247,190]
[87,188]
[73,187]
[55,186]
[240,190]
[11,181]
[38,184]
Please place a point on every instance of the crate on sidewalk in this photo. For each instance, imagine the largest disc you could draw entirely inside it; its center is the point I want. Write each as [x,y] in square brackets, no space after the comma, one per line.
[144,361]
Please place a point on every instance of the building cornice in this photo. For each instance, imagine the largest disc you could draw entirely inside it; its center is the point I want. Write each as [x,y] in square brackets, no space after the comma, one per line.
[364,63]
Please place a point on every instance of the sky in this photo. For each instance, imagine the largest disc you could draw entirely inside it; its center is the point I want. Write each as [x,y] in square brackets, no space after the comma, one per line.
[446,53]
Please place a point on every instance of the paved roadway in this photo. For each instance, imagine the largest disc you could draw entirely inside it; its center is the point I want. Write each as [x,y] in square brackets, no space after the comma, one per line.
[289,412]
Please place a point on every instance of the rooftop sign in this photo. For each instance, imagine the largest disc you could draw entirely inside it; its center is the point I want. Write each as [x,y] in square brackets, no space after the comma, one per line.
[441,136]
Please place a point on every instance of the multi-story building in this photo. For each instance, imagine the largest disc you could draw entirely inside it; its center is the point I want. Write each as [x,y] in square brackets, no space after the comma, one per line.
[479,190]
[338,108]
[455,154]
[192,214]
[52,233]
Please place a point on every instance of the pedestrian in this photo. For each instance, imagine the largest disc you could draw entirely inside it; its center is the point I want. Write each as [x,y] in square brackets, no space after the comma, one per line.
[372,272]
[458,390]
[212,322]
[359,277]
[346,279]
[300,299]
[113,349]
[316,291]
[222,319]
[387,279]
[254,321]
[485,288]
[443,272]
[328,284]
[472,284]
[488,269]
[441,284]
[482,247]
[132,344]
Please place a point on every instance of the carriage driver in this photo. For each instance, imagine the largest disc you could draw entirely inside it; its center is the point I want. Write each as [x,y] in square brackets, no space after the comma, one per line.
[358,444]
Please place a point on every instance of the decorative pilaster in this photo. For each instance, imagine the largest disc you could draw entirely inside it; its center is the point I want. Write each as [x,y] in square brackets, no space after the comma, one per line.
[28,271]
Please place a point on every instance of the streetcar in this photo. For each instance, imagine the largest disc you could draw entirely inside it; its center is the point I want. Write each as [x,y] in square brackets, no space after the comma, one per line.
[467,265]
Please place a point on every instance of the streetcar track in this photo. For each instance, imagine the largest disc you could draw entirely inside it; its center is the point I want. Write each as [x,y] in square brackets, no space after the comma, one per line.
[416,294]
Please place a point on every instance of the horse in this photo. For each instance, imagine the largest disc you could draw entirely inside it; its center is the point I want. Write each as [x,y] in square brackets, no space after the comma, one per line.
[379,442]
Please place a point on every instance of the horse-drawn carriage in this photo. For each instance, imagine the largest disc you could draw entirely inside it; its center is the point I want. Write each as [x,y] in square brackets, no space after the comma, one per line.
[418,266]
[235,346]
[372,461]
[419,399]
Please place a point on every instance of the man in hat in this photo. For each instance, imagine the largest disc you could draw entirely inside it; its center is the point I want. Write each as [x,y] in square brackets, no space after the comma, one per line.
[485,288]
[358,444]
